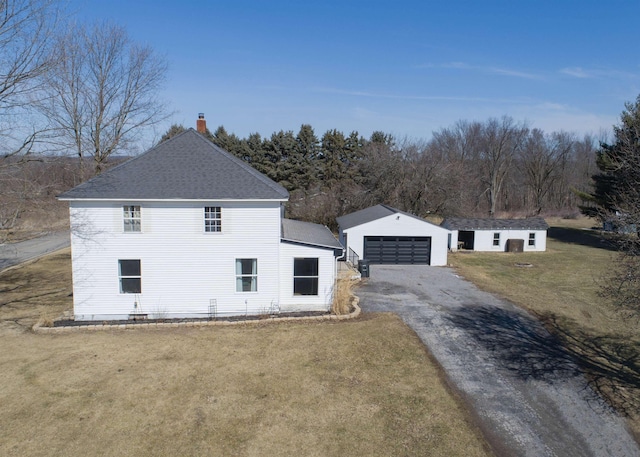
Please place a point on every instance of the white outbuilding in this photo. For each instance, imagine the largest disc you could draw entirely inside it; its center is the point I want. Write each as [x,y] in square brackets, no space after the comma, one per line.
[381,234]
[497,235]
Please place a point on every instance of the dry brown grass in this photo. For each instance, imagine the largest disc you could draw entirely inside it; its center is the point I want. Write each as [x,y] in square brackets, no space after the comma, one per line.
[561,288]
[359,387]
[343,297]
[39,289]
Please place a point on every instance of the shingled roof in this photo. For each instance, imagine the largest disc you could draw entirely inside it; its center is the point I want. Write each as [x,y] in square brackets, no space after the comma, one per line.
[308,233]
[371,214]
[186,167]
[458,223]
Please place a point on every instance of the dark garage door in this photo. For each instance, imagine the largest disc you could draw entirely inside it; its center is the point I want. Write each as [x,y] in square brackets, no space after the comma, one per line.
[397,249]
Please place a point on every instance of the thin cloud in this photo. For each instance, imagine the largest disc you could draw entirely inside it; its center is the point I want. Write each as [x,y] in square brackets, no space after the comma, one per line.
[577,72]
[485,69]
[357,93]
[584,73]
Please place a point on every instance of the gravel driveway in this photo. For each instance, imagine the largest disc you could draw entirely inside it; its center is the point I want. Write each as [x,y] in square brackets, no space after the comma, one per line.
[528,395]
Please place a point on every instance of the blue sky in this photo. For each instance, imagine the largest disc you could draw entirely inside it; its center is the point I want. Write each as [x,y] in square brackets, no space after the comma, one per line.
[403,67]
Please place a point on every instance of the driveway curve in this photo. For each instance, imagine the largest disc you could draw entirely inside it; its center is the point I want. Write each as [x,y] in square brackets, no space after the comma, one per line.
[16,253]
[529,397]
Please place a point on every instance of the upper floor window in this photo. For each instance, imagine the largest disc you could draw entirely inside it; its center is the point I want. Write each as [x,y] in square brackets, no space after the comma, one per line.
[305,276]
[212,219]
[496,238]
[246,275]
[132,220]
[532,239]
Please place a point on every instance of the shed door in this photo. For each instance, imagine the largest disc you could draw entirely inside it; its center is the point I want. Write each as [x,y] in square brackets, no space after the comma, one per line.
[397,249]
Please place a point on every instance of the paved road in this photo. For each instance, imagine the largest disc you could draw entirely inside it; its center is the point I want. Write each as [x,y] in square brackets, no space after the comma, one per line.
[529,397]
[15,253]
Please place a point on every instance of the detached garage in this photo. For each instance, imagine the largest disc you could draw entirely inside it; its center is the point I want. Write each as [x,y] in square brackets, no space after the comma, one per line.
[497,235]
[385,235]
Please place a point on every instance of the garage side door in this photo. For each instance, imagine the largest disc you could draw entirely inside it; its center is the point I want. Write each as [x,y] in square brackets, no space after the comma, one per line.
[397,249]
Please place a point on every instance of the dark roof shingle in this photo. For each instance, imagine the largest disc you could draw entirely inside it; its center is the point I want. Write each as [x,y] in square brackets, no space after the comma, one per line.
[371,214]
[363,216]
[308,233]
[459,223]
[186,167]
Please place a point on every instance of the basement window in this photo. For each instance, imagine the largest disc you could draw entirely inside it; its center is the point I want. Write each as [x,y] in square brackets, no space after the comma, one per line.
[132,219]
[496,238]
[130,276]
[305,276]
[532,239]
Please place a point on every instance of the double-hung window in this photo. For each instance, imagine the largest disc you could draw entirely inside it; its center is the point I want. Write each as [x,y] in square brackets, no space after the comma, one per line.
[496,238]
[130,276]
[246,275]
[212,219]
[305,276]
[532,239]
[132,219]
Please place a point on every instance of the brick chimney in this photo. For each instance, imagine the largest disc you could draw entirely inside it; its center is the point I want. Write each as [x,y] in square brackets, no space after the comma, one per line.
[201,124]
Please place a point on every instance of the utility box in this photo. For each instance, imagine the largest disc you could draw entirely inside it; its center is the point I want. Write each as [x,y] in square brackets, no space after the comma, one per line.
[515,245]
[363,266]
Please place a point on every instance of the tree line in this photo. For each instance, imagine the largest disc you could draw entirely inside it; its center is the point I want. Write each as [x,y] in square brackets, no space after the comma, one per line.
[471,169]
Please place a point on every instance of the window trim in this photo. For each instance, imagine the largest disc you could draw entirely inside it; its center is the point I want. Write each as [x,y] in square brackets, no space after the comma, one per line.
[121,276]
[496,239]
[131,214]
[315,286]
[532,239]
[212,219]
[242,276]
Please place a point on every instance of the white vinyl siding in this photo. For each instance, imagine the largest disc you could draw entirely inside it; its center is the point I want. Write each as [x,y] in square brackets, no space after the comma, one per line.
[184,268]
[289,301]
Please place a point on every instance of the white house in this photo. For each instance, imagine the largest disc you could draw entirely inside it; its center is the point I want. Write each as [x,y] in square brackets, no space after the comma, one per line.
[497,235]
[385,235]
[188,230]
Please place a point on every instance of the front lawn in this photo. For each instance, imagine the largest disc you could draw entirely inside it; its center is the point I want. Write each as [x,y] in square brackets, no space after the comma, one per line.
[360,387]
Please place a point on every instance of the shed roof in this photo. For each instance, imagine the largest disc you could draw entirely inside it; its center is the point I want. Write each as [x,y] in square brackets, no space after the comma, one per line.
[531,223]
[308,233]
[185,167]
[371,214]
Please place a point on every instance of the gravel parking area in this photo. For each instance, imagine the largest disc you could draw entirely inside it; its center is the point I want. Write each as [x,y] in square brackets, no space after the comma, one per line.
[529,397]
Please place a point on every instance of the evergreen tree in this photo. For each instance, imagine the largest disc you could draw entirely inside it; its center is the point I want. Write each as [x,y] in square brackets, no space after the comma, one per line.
[172,131]
[616,198]
[306,157]
[616,188]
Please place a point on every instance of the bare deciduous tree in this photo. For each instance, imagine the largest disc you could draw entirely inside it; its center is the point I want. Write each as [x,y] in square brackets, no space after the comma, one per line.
[542,158]
[458,146]
[26,28]
[103,91]
[500,141]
